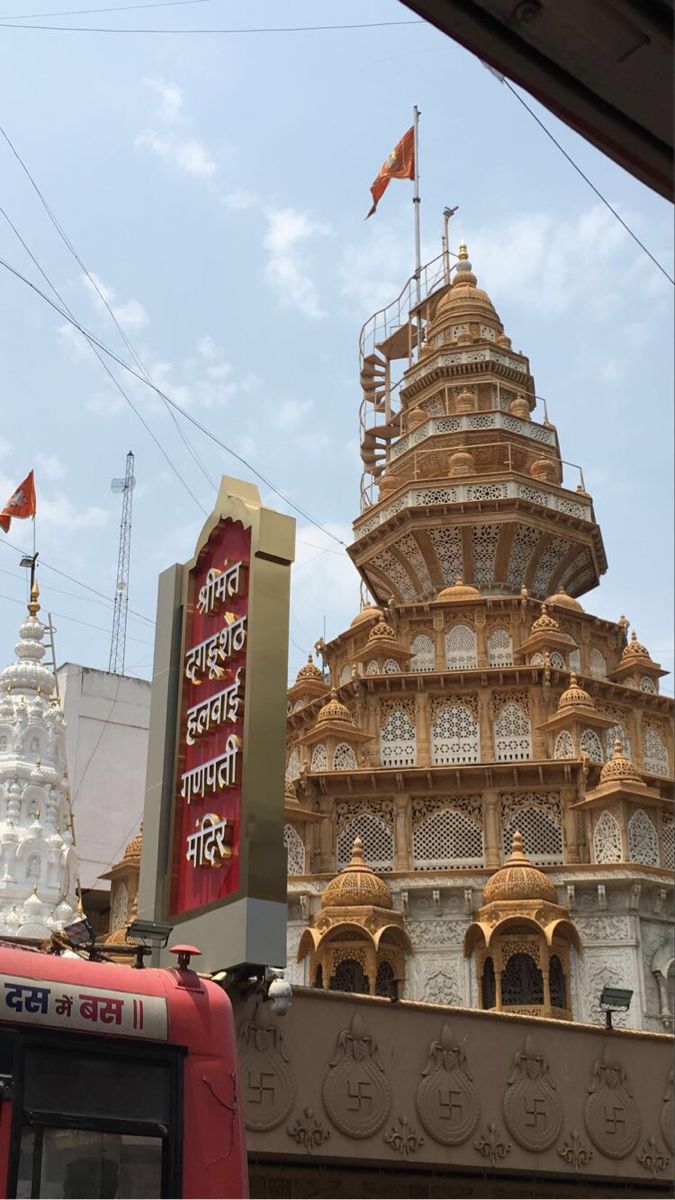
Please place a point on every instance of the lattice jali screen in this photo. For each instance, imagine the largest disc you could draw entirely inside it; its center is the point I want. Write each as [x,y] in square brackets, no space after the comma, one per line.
[607,839]
[423,653]
[575,660]
[500,649]
[513,734]
[372,668]
[521,551]
[540,826]
[319,759]
[295,849]
[550,558]
[611,735]
[485,539]
[298,705]
[447,839]
[455,736]
[396,573]
[564,746]
[557,660]
[598,664]
[378,842]
[591,745]
[648,685]
[537,660]
[643,845]
[293,765]
[460,648]
[345,674]
[448,546]
[390,666]
[654,750]
[668,841]
[398,742]
[344,758]
[408,547]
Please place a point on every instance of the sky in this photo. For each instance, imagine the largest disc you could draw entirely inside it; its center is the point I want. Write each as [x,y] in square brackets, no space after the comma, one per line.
[215,188]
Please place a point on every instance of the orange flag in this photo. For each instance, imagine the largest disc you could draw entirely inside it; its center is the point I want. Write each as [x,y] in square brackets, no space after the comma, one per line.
[399,165]
[20,504]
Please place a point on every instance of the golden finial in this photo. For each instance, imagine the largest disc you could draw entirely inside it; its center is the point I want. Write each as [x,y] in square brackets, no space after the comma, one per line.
[34,602]
[463,252]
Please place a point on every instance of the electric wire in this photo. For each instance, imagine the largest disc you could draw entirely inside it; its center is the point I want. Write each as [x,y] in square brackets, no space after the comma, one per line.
[91,337]
[5,24]
[579,171]
[75,620]
[82,12]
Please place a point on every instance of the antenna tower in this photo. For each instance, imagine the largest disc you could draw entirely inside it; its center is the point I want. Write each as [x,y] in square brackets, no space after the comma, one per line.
[119,626]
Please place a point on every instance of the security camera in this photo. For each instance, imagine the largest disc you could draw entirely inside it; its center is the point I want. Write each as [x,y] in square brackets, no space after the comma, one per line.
[280,996]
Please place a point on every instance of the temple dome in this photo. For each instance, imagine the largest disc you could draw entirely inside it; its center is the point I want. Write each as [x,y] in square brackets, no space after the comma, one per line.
[575,695]
[518,879]
[545,621]
[366,614]
[134,847]
[357,885]
[618,767]
[563,600]
[459,591]
[380,632]
[309,671]
[464,293]
[634,650]
[334,710]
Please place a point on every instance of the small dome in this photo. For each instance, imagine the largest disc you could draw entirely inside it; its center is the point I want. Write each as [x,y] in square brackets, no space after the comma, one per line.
[380,632]
[634,650]
[290,795]
[545,469]
[461,463]
[575,695]
[545,623]
[33,906]
[357,885]
[619,767]
[367,613]
[465,402]
[463,291]
[519,407]
[133,848]
[563,600]
[518,879]
[334,710]
[309,671]
[459,591]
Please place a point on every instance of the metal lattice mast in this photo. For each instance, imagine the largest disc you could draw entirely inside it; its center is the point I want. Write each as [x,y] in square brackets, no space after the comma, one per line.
[119,627]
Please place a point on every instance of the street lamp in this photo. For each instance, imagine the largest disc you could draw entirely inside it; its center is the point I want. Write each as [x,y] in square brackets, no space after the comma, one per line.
[614,999]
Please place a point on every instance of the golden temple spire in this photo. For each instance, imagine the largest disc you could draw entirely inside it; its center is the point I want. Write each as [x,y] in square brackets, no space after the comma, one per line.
[34,602]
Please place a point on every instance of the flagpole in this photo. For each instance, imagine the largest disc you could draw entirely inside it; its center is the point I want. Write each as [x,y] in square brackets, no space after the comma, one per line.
[416,206]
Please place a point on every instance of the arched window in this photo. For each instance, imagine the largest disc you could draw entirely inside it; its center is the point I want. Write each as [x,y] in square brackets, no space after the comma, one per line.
[345,674]
[34,745]
[372,668]
[598,664]
[557,661]
[445,840]
[33,867]
[319,760]
[513,736]
[455,735]
[542,835]
[537,660]
[648,685]
[377,838]
[522,981]
[611,736]
[293,766]
[500,650]
[556,981]
[344,758]
[591,745]
[643,844]
[488,985]
[385,984]
[607,839]
[423,653]
[564,746]
[295,850]
[398,745]
[654,751]
[391,666]
[574,660]
[460,648]
[668,841]
[349,977]
[298,705]
[3,744]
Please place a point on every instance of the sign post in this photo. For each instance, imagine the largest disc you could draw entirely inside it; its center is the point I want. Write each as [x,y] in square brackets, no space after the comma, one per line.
[213,861]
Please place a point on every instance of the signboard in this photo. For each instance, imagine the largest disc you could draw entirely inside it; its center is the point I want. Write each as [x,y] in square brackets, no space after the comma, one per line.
[72,1006]
[207,824]
[213,861]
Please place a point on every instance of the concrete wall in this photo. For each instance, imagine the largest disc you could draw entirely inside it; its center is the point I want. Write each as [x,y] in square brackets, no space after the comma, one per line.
[107,718]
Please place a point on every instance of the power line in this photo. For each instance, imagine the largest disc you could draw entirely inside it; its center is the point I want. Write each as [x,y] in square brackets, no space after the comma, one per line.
[153,386]
[230,32]
[579,171]
[75,620]
[81,12]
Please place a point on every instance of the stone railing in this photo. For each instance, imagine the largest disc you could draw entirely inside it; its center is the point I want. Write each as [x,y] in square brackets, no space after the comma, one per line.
[469,421]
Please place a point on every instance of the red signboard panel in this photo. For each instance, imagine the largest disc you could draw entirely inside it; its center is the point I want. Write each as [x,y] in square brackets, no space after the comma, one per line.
[207,818]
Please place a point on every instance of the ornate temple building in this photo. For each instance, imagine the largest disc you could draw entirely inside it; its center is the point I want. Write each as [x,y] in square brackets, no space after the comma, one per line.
[38,862]
[475,717]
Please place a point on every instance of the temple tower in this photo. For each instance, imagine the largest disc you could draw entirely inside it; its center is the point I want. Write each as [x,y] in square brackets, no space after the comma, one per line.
[38,863]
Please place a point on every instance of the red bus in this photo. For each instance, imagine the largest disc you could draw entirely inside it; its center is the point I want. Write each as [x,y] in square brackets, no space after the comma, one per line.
[116,1082]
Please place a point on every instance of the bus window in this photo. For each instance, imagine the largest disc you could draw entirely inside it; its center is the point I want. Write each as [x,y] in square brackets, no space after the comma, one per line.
[83,1163]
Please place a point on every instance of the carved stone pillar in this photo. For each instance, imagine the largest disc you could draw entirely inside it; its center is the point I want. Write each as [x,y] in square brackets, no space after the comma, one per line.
[423,729]
[439,636]
[491,829]
[546,979]
[402,834]
[567,799]
[371,968]
[481,641]
[326,854]
[538,714]
[487,753]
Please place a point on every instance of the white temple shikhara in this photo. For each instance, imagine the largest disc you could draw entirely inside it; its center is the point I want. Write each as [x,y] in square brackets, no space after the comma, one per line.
[38,863]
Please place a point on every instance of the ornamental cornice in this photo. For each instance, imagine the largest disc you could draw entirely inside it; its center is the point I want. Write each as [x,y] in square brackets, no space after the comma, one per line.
[462,363]
[454,779]
[474,423]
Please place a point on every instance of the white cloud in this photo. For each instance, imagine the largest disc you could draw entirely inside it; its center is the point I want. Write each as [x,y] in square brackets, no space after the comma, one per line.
[5,447]
[131,315]
[60,513]
[323,584]
[50,466]
[175,144]
[241,199]
[291,412]
[169,97]
[287,269]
